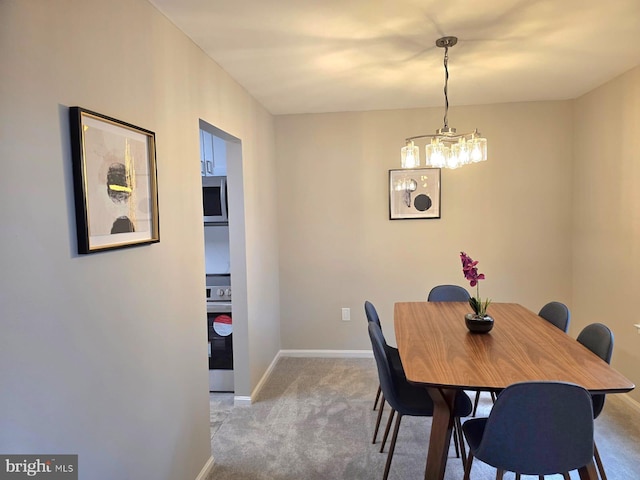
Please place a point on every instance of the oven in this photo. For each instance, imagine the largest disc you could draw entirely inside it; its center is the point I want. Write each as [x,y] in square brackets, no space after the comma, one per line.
[220,333]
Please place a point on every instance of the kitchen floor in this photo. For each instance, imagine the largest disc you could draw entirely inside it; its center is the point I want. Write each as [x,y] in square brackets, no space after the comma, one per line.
[220,405]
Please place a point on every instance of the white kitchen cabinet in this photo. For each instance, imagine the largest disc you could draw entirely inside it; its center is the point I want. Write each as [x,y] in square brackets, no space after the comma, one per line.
[219,156]
[213,153]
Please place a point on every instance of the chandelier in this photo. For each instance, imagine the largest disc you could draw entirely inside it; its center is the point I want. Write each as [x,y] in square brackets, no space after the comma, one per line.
[447,149]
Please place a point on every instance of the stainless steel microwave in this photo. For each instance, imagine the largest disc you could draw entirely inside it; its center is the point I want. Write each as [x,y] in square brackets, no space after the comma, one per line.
[214,199]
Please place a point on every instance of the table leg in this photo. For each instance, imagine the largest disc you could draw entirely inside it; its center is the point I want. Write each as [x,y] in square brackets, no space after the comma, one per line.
[441,428]
[588,472]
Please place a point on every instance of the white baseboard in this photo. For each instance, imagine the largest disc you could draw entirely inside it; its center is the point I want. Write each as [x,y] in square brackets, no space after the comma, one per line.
[206,470]
[242,401]
[327,353]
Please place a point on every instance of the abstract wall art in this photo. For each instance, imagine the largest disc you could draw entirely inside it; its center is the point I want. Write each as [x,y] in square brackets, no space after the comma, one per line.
[414,193]
[115,183]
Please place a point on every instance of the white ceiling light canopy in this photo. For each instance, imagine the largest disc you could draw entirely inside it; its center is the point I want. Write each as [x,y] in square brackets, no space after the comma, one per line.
[447,149]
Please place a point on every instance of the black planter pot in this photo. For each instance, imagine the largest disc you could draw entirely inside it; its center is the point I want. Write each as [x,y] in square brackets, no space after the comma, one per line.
[477,324]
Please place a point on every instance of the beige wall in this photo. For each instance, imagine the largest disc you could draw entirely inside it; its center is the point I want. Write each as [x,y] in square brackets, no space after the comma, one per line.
[338,247]
[606,228]
[105,355]
[262,251]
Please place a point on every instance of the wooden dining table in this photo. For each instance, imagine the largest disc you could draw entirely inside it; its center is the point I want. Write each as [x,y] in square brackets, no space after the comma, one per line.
[438,352]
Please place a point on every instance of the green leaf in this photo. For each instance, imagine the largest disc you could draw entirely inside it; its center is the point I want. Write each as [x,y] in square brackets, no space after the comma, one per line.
[475,306]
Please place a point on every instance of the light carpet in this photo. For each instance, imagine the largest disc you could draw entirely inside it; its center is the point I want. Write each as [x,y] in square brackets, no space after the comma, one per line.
[314,420]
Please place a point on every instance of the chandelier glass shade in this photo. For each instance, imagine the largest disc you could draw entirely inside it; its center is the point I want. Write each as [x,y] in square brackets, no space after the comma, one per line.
[445,148]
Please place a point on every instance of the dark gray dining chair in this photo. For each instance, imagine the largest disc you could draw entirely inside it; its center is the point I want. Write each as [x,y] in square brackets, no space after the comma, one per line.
[598,338]
[448,293]
[534,428]
[557,314]
[394,358]
[407,399]
[372,316]
[396,365]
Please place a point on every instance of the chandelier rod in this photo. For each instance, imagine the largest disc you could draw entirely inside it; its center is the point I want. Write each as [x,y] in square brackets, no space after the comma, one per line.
[446,83]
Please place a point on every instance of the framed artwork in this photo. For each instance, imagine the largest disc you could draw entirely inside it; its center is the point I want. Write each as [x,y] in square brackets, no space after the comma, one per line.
[414,193]
[115,183]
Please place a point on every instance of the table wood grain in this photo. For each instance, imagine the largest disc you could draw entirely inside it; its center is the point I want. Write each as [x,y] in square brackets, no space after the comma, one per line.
[438,351]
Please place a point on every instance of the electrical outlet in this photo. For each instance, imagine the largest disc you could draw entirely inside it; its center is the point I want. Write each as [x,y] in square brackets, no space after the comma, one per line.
[346,314]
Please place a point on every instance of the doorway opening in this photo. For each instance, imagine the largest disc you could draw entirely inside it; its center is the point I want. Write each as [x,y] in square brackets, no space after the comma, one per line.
[223,221]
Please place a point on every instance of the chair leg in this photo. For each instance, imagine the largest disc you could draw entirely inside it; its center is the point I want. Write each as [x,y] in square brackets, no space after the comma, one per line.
[540,477]
[517,476]
[386,430]
[566,476]
[467,467]
[375,432]
[493,397]
[475,404]
[596,454]
[499,474]
[392,447]
[458,428]
[375,404]
[456,441]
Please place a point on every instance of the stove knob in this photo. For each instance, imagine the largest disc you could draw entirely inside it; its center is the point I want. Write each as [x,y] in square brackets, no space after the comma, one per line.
[228,292]
[220,292]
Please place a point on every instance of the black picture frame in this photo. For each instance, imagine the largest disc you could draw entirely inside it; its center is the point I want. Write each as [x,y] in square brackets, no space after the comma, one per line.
[115,182]
[414,193]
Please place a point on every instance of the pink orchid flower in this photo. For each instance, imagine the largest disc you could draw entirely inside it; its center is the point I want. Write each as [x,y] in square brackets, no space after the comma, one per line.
[470,272]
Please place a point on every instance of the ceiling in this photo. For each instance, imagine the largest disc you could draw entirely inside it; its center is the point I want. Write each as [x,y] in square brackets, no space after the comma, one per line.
[298,56]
